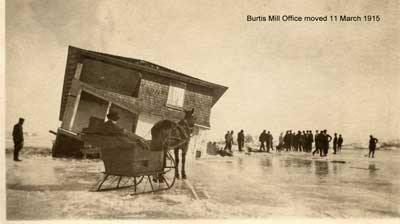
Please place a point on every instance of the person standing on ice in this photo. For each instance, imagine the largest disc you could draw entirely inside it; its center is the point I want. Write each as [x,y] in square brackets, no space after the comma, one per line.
[340,142]
[326,139]
[18,138]
[269,139]
[227,140]
[240,140]
[262,138]
[286,141]
[317,142]
[335,143]
[372,146]
[280,144]
[230,141]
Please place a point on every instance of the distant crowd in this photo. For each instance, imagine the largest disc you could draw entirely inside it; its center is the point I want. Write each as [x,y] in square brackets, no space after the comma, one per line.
[302,141]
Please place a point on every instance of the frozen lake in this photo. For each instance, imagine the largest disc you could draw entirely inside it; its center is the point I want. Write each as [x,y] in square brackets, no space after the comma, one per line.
[259,185]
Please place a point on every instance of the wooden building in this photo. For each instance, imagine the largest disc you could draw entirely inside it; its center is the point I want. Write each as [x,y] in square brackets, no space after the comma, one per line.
[141,92]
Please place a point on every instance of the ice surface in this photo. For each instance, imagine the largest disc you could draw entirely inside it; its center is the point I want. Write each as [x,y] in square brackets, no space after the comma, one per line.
[259,185]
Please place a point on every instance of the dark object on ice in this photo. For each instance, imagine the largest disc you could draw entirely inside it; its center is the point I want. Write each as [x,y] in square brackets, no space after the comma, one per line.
[212,148]
[279,148]
[249,149]
[67,144]
[362,168]
[18,138]
[338,161]
[225,153]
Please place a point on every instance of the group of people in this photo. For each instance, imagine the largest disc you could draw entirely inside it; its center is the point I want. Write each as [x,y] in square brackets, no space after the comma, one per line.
[266,139]
[229,140]
[302,141]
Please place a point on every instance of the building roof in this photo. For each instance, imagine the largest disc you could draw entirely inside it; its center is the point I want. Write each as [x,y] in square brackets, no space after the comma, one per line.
[75,54]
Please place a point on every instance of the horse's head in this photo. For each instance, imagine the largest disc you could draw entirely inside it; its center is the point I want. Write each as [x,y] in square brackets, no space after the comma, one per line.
[189,118]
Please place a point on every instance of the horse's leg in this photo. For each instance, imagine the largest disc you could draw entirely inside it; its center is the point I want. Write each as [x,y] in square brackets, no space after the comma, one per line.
[183,163]
[176,152]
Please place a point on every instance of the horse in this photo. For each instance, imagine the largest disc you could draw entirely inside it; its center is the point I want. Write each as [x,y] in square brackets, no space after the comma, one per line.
[167,134]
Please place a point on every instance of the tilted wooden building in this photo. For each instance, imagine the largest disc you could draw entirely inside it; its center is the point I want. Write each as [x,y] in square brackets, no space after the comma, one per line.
[141,92]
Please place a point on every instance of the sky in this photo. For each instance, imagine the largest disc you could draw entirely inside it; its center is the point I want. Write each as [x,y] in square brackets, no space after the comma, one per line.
[343,77]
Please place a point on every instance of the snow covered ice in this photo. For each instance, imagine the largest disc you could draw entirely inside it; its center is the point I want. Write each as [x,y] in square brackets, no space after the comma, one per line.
[260,185]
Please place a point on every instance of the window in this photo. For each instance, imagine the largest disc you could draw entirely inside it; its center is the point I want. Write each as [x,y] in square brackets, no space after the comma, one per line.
[176,94]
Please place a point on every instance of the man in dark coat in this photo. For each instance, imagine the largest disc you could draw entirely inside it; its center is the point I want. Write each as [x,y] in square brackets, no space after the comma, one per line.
[317,143]
[227,140]
[286,141]
[262,138]
[292,140]
[335,143]
[372,146]
[269,139]
[230,141]
[240,140]
[110,127]
[326,139]
[310,141]
[340,143]
[18,138]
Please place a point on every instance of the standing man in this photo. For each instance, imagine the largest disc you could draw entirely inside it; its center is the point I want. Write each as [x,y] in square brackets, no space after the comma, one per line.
[335,143]
[310,140]
[340,142]
[326,140]
[286,140]
[372,146]
[230,141]
[262,138]
[18,137]
[227,140]
[272,141]
[317,142]
[281,142]
[240,140]
[269,141]
[292,140]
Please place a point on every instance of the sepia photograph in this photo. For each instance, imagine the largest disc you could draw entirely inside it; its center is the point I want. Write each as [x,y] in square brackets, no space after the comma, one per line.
[131,110]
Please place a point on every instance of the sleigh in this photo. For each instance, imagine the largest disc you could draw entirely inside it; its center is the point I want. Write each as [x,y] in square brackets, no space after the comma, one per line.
[131,163]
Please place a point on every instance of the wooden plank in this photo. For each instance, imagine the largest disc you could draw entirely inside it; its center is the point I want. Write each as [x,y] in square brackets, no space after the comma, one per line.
[76,104]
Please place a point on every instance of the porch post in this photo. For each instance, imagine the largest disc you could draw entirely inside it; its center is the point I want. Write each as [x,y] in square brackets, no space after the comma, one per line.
[108,110]
[76,104]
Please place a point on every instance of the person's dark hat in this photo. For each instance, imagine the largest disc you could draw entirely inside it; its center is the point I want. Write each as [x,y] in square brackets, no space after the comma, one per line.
[112,115]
